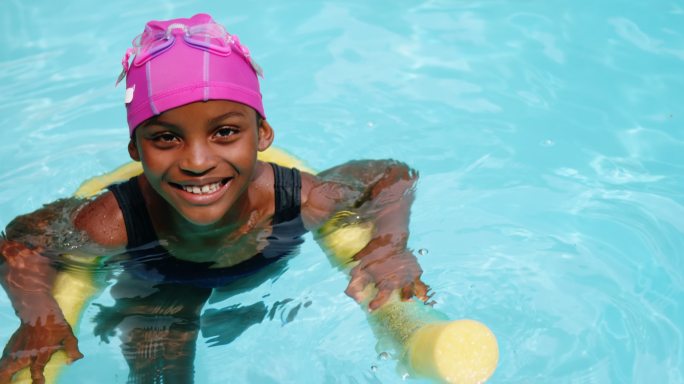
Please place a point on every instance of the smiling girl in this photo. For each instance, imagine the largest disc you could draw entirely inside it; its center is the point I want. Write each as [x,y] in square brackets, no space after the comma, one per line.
[204,213]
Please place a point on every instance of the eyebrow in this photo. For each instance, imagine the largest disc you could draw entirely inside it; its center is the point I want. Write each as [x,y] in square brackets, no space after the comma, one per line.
[227,115]
[155,119]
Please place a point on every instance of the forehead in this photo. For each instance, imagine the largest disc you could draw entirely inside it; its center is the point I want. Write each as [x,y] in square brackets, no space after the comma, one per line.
[207,110]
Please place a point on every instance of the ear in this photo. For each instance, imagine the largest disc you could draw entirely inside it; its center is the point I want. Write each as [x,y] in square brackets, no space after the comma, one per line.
[266,136]
[133,150]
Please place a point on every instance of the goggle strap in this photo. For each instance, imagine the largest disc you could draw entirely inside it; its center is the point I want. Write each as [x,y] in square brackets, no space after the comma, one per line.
[122,76]
[257,68]
[125,64]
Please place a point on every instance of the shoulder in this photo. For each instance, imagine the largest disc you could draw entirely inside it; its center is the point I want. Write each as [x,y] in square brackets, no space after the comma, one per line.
[102,220]
[72,223]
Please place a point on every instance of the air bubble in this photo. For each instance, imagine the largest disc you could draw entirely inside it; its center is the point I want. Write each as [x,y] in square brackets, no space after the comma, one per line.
[374,368]
[383,356]
[423,251]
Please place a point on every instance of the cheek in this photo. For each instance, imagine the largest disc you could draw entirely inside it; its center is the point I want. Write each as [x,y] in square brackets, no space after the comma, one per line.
[154,163]
[244,155]
[150,154]
[249,159]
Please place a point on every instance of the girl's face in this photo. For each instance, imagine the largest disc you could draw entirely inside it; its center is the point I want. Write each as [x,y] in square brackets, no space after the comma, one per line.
[201,157]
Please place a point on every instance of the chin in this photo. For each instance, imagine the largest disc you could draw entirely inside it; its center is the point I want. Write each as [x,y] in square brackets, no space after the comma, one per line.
[202,221]
[201,218]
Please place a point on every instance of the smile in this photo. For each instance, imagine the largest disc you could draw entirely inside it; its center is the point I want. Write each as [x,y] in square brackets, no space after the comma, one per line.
[204,189]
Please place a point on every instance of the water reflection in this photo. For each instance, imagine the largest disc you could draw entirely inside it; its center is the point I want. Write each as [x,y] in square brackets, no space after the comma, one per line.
[158,323]
[156,315]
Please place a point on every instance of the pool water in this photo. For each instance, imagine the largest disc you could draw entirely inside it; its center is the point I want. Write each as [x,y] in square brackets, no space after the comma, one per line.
[549,137]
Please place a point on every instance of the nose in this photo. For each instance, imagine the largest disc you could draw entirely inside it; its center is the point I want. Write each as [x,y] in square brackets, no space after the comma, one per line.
[198,159]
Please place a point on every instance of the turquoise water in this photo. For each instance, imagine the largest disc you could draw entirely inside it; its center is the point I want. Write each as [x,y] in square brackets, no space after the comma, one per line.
[549,137]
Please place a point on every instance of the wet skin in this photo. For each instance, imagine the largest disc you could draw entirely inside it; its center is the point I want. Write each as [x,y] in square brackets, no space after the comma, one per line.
[212,146]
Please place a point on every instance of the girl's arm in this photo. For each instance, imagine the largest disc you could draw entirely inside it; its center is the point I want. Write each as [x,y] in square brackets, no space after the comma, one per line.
[29,255]
[380,192]
[28,277]
[27,272]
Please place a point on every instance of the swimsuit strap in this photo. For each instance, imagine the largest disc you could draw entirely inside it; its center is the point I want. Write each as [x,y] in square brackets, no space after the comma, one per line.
[287,224]
[288,186]
[139,227]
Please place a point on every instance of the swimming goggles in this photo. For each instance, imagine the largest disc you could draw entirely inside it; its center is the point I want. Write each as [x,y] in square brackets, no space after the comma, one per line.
[209,37]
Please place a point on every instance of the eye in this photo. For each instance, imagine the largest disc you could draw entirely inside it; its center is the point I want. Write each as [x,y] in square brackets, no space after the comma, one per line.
[165,137]
[226,131]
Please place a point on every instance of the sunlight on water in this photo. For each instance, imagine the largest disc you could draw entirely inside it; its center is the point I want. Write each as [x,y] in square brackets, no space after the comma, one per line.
[548,136]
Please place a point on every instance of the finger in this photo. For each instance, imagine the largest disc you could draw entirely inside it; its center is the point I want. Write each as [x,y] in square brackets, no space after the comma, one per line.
[356,286]
[10,252]
[9,366]
[5,374]
[37,367]
[407,292]
[421,290]
[71,349]
[38,378]
[380,299]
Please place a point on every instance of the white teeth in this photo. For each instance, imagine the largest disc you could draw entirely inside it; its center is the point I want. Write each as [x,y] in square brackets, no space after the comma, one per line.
[204,189]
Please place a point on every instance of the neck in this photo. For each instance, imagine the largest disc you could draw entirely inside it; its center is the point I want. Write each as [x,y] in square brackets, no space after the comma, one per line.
[231,222]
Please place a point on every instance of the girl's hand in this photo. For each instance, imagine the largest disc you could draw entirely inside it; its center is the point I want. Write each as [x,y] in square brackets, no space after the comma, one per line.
[388,272]
[28,278]
[32,345]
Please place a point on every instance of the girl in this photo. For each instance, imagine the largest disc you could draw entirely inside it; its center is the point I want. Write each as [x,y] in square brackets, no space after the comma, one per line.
[204,213]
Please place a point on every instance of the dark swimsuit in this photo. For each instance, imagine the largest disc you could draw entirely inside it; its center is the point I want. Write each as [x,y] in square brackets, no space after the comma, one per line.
[150,260]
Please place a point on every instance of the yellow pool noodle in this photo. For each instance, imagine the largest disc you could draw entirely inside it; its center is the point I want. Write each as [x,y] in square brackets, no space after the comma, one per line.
[431,346]
[74,288]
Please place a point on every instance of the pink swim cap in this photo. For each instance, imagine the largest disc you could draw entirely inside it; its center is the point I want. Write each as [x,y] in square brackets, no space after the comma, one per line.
[181,61]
